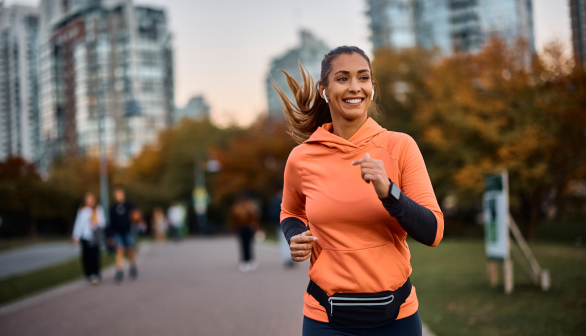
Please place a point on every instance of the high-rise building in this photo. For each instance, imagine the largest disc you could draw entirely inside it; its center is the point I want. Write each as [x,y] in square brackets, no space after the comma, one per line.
[196,108]
[310,53]
[450,25]
[578,14]
[19,112]
[109,56]
[392,23]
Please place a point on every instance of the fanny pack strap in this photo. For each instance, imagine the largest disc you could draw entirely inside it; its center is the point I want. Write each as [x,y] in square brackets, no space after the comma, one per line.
[320,296]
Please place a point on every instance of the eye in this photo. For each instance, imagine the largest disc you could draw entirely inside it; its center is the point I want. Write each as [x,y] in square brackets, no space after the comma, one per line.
[364,78]
[342,79]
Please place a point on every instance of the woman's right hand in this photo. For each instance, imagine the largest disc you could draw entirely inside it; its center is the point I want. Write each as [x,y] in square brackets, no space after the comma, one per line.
[301,245]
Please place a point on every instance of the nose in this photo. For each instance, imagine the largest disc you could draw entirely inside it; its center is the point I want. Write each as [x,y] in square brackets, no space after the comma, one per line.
[354,86]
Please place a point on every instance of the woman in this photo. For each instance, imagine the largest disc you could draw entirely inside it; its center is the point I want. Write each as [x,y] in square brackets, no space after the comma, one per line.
[159,225]
[361,190]
[244,218]
[89,223]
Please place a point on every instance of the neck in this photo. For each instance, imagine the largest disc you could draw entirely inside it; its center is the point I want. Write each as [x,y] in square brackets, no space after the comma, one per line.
[346,128]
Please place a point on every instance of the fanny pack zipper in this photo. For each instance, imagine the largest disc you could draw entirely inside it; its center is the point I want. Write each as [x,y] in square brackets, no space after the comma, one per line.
[332,303]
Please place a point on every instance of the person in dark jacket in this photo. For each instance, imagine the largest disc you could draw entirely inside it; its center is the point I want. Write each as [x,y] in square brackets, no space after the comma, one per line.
[120,234]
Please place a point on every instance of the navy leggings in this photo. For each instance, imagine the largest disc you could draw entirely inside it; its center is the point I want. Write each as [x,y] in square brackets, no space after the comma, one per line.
[408,326]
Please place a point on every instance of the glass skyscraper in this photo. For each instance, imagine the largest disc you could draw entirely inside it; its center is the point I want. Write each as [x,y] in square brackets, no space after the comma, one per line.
[19,113]
[450,25]
[109,55]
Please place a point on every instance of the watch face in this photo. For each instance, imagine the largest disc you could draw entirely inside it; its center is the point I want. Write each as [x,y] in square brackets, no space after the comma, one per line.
[395,191]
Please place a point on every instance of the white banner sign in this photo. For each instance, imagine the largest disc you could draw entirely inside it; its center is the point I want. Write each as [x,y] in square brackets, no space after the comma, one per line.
[496,215]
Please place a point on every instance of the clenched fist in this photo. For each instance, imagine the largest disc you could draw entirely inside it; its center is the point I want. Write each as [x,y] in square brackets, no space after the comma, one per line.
[373,170]
[301,245]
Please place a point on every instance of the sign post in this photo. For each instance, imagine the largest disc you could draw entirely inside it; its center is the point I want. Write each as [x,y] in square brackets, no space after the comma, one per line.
[496,231]
[498,222]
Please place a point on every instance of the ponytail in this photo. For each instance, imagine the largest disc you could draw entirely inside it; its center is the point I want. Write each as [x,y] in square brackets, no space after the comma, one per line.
[311,110]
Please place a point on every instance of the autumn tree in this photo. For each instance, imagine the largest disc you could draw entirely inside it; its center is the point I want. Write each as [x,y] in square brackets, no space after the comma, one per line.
[476,114]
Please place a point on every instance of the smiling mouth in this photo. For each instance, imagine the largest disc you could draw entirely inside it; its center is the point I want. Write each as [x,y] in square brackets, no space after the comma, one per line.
[353,101]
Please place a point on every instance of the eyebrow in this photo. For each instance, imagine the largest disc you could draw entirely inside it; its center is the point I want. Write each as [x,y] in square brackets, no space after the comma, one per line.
[346,72]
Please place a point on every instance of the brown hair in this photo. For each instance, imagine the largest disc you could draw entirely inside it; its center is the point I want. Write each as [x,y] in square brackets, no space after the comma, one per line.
[311,110]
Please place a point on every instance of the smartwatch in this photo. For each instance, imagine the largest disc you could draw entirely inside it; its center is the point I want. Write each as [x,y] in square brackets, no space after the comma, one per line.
[394,192]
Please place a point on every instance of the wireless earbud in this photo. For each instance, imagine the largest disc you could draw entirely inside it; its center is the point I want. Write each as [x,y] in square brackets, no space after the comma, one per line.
[372,97]
[326,98]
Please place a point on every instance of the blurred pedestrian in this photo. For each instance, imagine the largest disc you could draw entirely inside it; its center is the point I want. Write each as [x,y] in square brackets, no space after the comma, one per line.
[176,215]
[121,236]
[274,213]
[353,192]
[159,225]
[244,219]
[88,229]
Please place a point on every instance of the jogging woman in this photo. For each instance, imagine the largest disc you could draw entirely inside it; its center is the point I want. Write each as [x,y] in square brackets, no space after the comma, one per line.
[89,223]
[353,193]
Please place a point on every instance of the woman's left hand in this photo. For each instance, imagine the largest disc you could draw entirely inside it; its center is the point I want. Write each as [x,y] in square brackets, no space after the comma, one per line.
[373,170]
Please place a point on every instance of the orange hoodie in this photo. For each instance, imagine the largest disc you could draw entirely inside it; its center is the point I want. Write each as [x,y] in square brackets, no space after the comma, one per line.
[360,247]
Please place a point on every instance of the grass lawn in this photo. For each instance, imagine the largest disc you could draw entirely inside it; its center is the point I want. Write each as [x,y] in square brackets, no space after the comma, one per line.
[9,244]
[456,299]
[18,286]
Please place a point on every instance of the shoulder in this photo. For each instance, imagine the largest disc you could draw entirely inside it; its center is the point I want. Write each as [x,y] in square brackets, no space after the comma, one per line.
[301,155]
[83,211]
[394,142]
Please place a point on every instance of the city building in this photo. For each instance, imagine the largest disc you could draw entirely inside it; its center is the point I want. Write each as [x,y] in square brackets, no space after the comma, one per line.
[103,63]
[19,112]
[310,53]
[450,25]
[196,108]
[578,15]
[392,23]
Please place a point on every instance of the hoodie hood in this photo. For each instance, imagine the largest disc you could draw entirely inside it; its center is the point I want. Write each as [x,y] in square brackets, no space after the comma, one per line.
[323,135]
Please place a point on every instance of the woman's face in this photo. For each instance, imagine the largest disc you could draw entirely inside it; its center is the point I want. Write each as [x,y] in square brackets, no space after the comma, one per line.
[349,87]
[90,200]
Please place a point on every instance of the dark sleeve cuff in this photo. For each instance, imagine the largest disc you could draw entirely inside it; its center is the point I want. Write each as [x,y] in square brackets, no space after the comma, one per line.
[292,226]
[418,221]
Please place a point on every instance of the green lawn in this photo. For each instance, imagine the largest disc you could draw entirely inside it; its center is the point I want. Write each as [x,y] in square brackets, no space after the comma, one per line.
[456,299]
[9,244]
[18,286]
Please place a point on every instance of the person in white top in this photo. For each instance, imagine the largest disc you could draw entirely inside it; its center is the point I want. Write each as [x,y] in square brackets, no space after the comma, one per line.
[176,216]
[88,230]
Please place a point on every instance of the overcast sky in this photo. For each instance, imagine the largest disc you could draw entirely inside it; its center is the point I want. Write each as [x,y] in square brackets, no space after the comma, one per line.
[223,48]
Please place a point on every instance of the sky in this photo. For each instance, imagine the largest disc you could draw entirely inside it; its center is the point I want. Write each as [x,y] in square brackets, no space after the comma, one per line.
[223,48]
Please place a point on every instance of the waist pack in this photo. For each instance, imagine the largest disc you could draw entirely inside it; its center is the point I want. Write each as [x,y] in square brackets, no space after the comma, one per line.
[361,310]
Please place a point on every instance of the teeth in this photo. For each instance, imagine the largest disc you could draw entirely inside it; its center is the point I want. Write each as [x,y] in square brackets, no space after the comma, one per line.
[353,101]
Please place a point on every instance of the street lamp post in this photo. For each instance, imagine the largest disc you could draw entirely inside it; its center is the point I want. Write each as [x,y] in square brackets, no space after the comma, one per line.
[103,153]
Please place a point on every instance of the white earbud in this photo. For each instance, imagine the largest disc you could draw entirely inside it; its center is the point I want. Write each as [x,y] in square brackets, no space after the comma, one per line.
[326,98]
[372,97]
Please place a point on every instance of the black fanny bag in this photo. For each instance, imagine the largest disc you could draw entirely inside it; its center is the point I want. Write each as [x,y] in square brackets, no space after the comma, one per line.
[361,310]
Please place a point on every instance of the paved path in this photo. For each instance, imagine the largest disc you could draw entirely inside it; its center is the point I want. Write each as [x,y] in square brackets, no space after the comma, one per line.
[35,256]
[191,288]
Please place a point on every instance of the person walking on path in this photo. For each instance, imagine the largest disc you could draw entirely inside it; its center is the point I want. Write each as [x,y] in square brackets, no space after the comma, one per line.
[176,215]
[353,192]
[89,223]
[274,213]
[159,225]
[244,219]
[120,234]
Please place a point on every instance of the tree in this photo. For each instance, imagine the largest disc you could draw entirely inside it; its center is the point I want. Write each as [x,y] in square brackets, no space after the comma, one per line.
[475,114]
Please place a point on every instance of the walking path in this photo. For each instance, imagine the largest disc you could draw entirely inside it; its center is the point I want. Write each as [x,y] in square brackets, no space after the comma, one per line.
[190,288]
[35,256]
